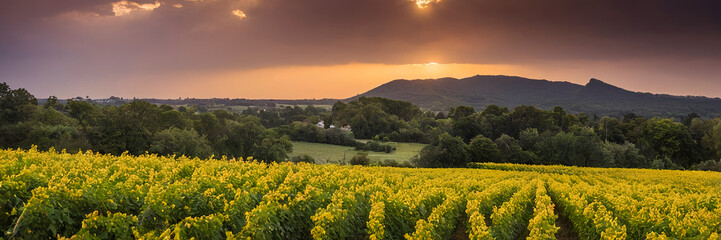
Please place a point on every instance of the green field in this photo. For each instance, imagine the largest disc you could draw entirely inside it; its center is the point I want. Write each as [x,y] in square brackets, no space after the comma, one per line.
[327,153]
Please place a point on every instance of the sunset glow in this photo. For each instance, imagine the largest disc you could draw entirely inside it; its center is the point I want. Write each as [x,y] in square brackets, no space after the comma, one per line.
[425,3]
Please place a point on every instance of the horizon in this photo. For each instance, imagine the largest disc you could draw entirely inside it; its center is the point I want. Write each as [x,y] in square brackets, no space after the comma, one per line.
[273,49]
[360,94]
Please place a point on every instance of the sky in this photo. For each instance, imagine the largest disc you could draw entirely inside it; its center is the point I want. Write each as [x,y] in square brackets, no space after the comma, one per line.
[292,49]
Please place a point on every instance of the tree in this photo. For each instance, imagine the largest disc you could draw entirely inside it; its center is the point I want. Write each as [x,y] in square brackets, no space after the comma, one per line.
[84,112]
[558,115]
[511,152]
[524,117]
[609,129]
[689,118]
[453,151]
[174,141]
[528,139]
[466,127]
[714,138]
[52,103]
[273,148]
[15,105]
[129,127]
[578,147]
[449,152]
[360,128]
[494,110]
[626,155]
[240,138]
[483,149]
[664,138]
[460,112]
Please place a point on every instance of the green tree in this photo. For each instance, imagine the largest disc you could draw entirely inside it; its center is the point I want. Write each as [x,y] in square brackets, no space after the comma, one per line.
[524,117]
[579,147]
[714,138]
[466,127]
[53,103]
[448,152]
[609,129]
[460,112]
[511,152]
[483,149]
[84,112]
[360,127]
[15,105]
[665,138]
[273,148]
[494,110]
[453,151]
[174,141]
[528,138]
[626,155]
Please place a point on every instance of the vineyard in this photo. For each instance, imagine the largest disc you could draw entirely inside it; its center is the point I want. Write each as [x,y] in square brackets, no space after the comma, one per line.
[48,195]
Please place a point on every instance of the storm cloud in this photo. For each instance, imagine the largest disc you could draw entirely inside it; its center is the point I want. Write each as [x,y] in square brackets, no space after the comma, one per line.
[46,42]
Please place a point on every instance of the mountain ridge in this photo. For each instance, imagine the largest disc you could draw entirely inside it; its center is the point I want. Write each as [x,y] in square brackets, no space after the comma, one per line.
[595,97]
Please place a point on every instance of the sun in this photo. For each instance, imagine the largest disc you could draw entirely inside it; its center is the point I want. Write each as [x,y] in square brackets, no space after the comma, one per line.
[425,3]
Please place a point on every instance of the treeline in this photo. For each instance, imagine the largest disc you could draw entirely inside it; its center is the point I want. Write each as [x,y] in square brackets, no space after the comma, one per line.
[524,134]
[529,135]
[136,128]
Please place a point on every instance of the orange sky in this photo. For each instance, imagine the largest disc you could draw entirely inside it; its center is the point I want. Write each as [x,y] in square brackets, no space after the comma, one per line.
[343,81]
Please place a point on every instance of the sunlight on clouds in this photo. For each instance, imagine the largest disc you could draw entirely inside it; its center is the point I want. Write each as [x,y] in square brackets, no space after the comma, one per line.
[240,14]
[126,7]
[425,3]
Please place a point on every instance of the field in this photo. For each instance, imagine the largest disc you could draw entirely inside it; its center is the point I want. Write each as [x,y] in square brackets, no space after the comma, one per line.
[90,196]
[327,153]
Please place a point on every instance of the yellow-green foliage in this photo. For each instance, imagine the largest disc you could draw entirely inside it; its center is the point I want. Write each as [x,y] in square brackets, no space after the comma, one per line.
[48,195]
[543,224]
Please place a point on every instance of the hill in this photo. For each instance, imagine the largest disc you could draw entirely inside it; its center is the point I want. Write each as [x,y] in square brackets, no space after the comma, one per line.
[596,97]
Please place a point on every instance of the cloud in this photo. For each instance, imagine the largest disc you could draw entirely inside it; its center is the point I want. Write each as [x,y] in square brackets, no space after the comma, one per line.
[72,39]
[126,7]
[240,14]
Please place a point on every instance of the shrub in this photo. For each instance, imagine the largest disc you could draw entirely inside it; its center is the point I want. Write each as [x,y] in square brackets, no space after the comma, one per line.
[302,158]
[709,165]
[390,163]
[375,146]
[360,159]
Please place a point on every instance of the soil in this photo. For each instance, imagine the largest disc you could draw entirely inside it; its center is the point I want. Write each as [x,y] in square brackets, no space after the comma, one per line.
[566,231]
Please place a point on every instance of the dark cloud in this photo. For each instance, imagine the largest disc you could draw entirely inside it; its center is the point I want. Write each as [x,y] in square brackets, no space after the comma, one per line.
[83,39]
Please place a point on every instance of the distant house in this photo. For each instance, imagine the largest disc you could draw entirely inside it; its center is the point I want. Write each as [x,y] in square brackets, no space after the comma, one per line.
[321,124]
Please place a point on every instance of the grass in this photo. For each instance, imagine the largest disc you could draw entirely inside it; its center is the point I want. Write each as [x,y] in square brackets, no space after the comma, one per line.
[327,153]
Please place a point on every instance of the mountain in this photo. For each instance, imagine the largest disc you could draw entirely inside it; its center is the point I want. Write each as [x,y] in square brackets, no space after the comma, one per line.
[596,97]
